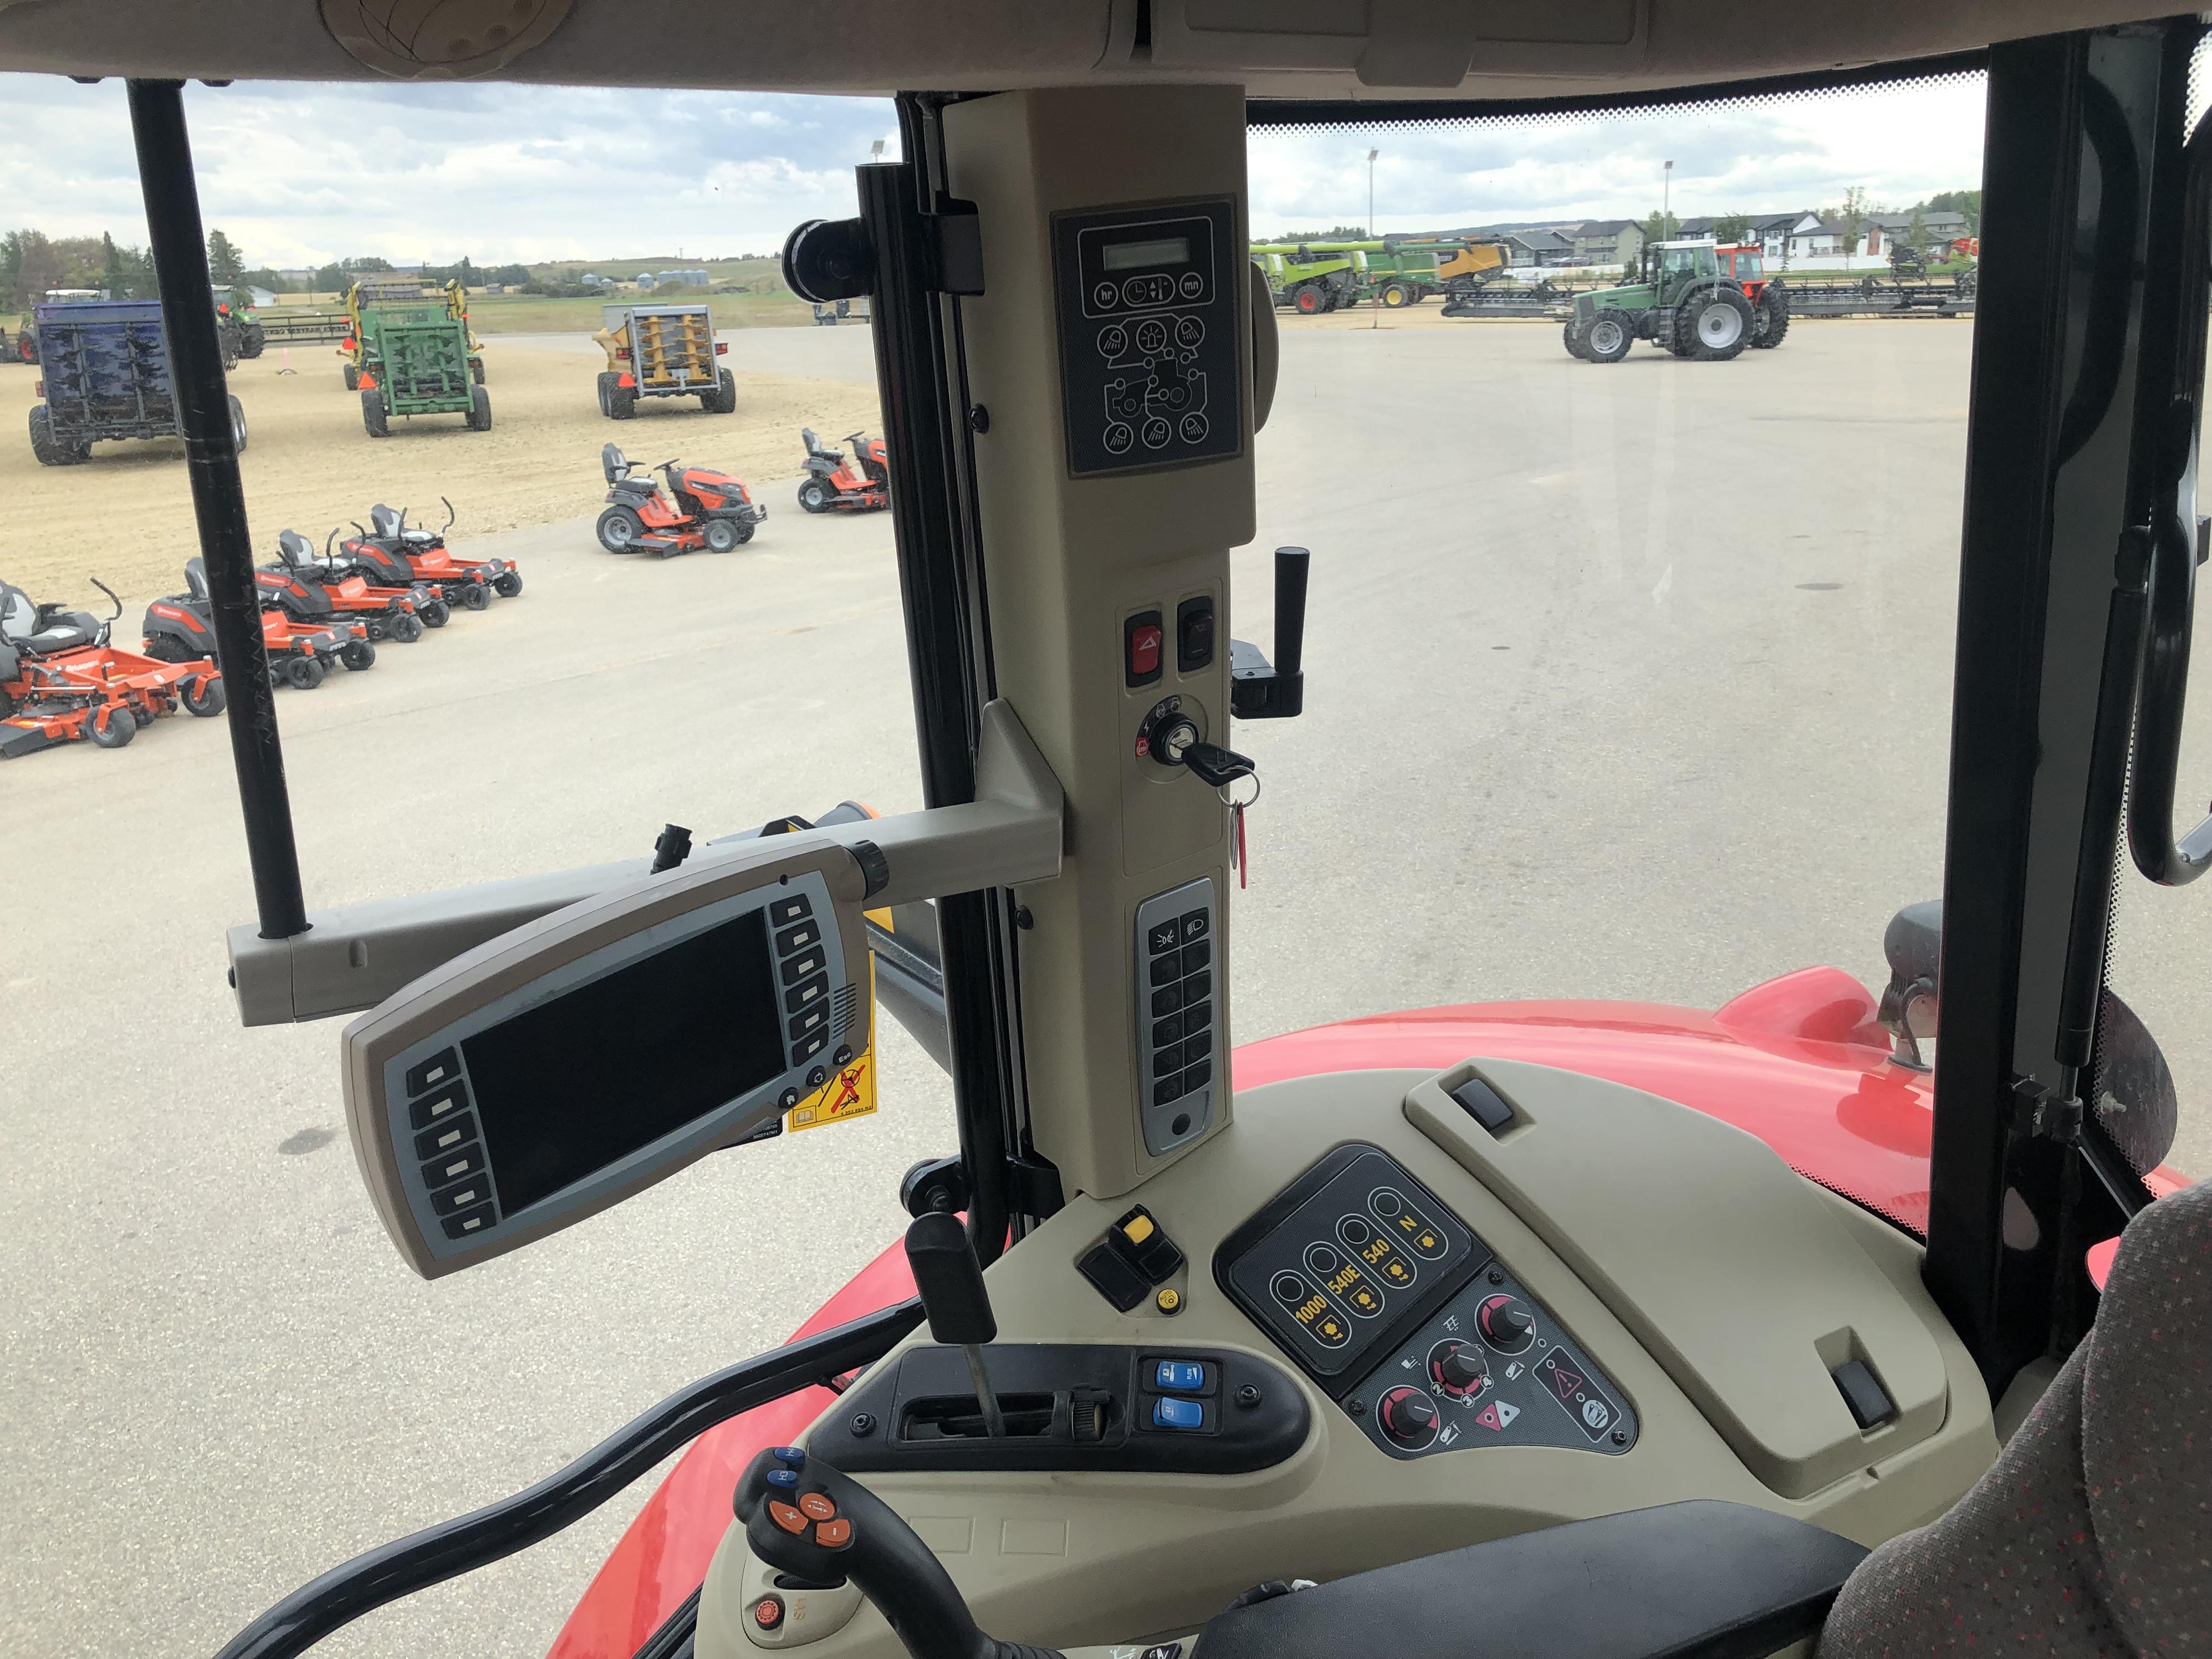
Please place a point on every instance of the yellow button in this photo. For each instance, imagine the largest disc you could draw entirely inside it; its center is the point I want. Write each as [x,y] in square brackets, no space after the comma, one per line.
[1139,1229]
[1169,1300]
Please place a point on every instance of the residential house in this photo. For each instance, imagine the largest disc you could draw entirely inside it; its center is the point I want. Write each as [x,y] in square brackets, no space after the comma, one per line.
[1541,248]
[1883,228]
[1607,242]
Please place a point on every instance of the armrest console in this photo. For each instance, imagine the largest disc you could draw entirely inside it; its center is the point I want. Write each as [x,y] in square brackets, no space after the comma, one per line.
[1699,1580]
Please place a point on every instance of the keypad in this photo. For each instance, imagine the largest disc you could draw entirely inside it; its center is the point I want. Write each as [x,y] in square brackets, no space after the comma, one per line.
[1175,946]
[448,1150]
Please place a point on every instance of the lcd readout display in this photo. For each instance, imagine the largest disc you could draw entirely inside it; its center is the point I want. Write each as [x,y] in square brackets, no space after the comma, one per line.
[580,1082]
[1146,255]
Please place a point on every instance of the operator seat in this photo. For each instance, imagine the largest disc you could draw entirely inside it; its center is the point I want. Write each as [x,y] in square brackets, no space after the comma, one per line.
[196,581]
[2092,1533]
[42,629]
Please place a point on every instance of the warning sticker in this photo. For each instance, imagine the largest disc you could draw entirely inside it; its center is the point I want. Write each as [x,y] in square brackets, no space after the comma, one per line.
[851,1091]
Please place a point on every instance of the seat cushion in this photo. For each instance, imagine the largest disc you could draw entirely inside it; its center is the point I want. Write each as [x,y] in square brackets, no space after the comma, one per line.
[2091,1535]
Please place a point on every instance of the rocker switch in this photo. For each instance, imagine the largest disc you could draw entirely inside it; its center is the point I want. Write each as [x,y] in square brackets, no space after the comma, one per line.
[1194,635]
[1141,641]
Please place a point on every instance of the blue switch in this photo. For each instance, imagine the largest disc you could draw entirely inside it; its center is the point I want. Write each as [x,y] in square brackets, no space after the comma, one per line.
[783,1479]
[792,1457]
[1178,1414]
[1186,1375]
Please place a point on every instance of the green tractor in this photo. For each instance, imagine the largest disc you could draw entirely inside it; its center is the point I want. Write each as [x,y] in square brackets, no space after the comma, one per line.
[1682,300]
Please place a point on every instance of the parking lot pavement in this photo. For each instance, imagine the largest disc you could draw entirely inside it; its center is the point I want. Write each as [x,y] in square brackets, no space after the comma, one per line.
[1627,682]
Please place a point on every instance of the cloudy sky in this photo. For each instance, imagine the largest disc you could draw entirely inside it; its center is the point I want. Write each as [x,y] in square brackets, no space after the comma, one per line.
[298,175]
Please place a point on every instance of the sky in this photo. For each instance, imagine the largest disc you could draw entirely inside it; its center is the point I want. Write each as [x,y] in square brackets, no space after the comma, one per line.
[300,174]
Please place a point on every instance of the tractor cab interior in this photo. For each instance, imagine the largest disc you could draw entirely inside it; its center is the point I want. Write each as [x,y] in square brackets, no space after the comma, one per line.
[1587,1328]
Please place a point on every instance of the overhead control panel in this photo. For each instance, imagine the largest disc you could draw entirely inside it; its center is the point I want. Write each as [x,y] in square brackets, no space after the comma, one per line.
[1406,1319]
[564,1067]
[1149,363]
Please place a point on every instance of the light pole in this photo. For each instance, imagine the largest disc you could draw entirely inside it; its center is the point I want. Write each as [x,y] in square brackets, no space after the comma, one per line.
[876,150]
[1373,318]
[1666,198]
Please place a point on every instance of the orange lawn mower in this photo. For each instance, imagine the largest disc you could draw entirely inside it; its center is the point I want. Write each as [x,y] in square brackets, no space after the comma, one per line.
[396,554]
[61,681]
[833,483]
[310,590]
[703,508]
[181,628]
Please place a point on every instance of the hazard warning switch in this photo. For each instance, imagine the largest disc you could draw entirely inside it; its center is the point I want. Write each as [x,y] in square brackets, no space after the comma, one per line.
[1141,638]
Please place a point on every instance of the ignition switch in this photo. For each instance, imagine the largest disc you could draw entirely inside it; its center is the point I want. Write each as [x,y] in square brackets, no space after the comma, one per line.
[1173,735]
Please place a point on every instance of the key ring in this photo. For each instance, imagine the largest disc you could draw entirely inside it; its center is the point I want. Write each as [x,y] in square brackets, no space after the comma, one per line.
[1253,778]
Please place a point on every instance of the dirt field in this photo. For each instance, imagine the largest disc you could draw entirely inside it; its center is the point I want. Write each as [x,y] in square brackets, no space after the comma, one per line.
[126,515]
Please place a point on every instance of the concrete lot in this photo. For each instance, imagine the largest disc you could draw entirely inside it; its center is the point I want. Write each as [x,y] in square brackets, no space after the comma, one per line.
[1625,683]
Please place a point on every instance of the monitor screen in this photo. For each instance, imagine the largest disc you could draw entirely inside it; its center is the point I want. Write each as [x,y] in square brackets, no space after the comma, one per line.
[1144,256]
[583,1080]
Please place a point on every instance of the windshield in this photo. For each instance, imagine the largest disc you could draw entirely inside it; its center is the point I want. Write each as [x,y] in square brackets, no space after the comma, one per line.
[1666,711]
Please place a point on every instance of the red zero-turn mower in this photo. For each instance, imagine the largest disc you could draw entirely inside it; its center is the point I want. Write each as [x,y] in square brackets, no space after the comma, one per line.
[833,483]
[60,680]
[181,629]
[709,509]
[393,553]
[311,591]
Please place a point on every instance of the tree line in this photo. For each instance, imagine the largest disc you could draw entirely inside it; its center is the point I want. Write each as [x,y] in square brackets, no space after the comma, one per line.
[31,263]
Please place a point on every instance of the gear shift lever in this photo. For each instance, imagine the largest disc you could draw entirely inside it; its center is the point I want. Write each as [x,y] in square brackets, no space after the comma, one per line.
[818,1524]
[958,1306]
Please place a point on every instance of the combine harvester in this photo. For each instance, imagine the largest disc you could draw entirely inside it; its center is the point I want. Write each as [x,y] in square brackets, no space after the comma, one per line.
[1313,278]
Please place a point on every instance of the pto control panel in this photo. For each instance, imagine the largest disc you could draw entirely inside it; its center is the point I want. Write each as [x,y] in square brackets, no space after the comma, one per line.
[1405,1318]
[1148,336]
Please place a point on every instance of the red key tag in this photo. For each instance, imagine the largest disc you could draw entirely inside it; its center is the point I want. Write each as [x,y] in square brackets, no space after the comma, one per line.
[1240,856]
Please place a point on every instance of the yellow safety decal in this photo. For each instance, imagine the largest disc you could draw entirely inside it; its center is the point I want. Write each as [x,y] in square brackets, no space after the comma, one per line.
[851,1091]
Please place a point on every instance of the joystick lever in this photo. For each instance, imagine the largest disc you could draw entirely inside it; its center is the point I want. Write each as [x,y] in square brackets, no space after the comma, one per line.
[819,1525]
[959,1307]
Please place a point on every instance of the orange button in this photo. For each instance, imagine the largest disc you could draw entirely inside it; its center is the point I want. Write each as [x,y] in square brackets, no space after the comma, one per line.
[816,1506]
[833,1534]
[785,1517]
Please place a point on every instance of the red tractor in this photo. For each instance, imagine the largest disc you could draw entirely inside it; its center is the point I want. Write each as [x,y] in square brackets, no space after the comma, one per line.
[1746,263]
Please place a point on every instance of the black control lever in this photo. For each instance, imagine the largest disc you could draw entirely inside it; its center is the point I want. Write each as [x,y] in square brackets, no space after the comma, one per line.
[1258,690]
[959,1307]
[819,1525]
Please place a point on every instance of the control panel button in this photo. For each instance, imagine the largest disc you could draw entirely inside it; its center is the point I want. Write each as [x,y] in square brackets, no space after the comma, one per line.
[767,1612]
[1505,1323]
[461,1161]
[1184,1414]
[452,1097]
[1156,432]
[1167,971]
[818,1506]
[798,967]
[1103,295]
[1196,956]
[792,1457]
[1458,1370]
[1119,437]
[1168,1030]
[1181,1376]
[783,1480]
[805,1050]
[1194,642]
[461,1195]
[785,1515]
[1198,1017]
[1193,428]
[1402,1221]
[1408,1416]
[1166,1000]
[474,1219]
[797,938]
[1191,286]
[1190,331]
[1113,340]
[440,1067]
[1141,642]
[833,1534]
[1152,337]
[805,992]
[1167,1059]
[1163,936]
[449,1136]
[782,912]
[1194,926]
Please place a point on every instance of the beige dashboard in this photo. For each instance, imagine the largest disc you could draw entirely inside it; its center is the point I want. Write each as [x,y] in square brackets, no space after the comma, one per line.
[1714,1287]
